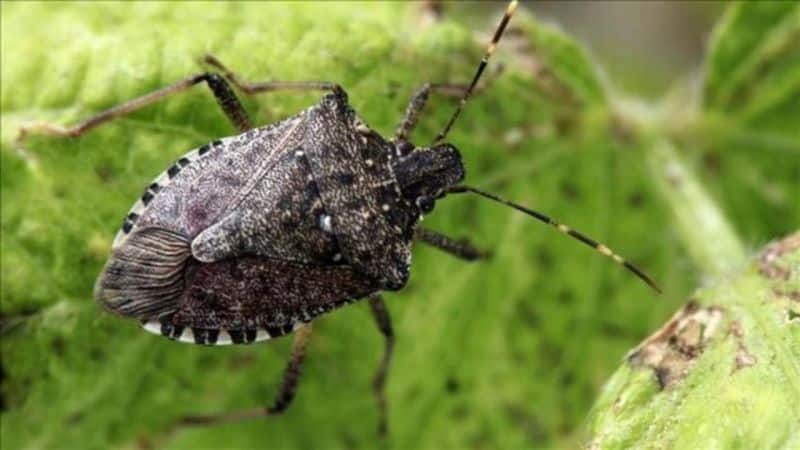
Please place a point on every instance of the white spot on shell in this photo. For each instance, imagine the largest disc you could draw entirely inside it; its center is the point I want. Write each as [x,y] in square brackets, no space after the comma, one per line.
[325,223]
[337,257]
[187,336]
[299,153]
[224,338]
[369,163]
[152,327]
[385,207]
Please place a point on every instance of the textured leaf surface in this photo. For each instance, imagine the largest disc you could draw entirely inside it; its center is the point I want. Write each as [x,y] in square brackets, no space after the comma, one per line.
[502,354]
[745,371]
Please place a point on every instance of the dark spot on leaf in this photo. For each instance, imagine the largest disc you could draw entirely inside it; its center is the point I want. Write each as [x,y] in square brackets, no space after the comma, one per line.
[103,172]
[636,199]
[452,385]
[544,258]
[673,350]
[567,378]
[712,162]
[569,191]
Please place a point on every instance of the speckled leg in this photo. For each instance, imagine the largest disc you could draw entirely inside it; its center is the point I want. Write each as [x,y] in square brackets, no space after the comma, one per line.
[417,104]
[384,322]
[420,98]
[461,248]
[283,398]
[219,87]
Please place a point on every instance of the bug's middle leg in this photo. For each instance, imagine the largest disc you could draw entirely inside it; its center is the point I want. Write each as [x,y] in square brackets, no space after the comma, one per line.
[458,248]
[283,398]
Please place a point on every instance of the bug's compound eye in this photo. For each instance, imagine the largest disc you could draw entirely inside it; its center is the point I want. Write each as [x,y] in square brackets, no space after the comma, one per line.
[425,204]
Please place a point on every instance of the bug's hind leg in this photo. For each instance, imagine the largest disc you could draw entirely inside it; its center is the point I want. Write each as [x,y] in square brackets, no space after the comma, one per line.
[458,248]
[384,322]
[283,398]
[219,87]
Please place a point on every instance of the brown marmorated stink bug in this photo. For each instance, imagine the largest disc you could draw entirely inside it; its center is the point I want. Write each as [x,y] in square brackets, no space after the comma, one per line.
[253,236]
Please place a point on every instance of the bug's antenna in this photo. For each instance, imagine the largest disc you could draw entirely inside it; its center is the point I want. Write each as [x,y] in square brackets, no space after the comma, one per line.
[512,6]
[562,228]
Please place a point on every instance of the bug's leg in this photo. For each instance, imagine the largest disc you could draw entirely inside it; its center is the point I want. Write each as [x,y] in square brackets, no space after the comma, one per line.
[384,322]
[251,88]
[420,98]
[417,104]
[458,248]
[219,87]
[283,398]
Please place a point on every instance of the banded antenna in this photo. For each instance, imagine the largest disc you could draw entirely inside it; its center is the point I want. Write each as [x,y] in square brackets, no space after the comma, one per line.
[562,228]
[512,6]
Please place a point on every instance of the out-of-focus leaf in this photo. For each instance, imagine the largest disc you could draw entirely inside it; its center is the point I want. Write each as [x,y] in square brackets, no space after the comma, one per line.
[562,68]
[753,69]
[747,150]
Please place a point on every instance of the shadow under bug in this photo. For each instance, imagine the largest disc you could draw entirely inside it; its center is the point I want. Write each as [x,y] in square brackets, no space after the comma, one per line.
[253,236]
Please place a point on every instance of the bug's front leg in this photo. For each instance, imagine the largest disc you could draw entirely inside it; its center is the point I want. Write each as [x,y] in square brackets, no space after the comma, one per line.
[458,248]
[219,87]
[384,322]
[420,98]
[282,400]
[417,103]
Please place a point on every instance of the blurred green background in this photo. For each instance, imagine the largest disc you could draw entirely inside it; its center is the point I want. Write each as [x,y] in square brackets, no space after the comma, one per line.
[587,123]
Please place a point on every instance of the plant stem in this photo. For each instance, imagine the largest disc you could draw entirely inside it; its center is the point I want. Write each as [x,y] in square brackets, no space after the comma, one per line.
[709,238]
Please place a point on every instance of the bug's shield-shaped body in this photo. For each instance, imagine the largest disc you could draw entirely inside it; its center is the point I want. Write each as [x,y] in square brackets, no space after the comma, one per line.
[315,191]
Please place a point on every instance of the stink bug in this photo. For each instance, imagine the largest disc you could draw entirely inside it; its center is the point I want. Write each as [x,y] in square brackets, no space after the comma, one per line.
[253,236]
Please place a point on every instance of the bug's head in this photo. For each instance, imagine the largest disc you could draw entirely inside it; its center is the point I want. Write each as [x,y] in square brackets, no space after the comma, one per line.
[427,172]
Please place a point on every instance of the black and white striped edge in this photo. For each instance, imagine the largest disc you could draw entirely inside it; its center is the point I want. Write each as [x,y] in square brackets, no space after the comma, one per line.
[217,337]
[161,181]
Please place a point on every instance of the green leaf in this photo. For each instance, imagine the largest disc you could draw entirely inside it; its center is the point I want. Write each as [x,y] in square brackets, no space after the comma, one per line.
[753,70]
[747,143]
[722,373]
[506,353]
[562,68]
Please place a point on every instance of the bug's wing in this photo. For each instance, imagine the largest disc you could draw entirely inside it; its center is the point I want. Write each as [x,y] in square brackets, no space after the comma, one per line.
[280,219]
[370,218]
[206,184]
[250,299]
[145,277]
